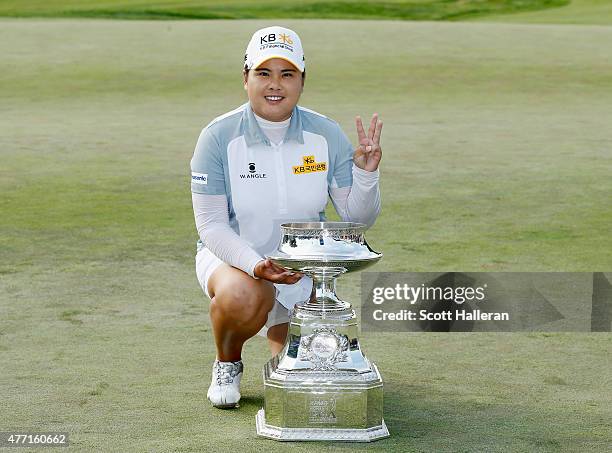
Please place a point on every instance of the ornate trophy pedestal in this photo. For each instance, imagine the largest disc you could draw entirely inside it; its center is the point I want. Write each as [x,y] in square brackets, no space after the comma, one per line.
[321,386]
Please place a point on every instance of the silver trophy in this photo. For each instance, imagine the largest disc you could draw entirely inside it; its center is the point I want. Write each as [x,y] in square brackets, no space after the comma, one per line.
[321,386]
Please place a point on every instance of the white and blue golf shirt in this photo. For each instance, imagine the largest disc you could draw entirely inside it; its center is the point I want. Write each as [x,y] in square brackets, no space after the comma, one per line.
[268,184]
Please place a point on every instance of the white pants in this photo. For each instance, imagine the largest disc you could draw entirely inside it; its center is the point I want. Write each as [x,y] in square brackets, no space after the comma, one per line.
[286,295]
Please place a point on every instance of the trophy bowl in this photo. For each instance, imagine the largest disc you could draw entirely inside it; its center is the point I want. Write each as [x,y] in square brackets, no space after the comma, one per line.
[316,247]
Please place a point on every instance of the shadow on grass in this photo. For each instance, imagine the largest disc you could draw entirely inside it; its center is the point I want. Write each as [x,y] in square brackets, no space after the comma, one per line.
[251,403]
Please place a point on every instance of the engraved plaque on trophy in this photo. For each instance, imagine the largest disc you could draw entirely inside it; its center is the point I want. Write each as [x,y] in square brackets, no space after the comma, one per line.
[321,386]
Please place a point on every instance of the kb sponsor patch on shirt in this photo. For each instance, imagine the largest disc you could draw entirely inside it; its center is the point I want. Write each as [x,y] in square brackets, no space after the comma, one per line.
[199,178]
[309,166]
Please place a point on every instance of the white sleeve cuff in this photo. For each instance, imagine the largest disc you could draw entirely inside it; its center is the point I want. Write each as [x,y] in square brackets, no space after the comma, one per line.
[365,174]
[251,266]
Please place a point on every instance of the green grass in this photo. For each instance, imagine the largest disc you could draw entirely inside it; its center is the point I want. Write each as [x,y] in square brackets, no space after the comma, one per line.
[496,157]
[312,9]
[596,12]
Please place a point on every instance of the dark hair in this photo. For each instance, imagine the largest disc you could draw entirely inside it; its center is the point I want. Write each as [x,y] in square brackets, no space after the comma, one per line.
[246,72]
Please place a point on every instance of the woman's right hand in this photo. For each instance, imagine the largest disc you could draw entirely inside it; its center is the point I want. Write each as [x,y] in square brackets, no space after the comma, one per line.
[267,270]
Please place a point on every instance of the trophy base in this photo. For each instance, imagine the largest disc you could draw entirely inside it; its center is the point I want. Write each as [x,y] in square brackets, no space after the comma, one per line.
[315,434]
[306,401]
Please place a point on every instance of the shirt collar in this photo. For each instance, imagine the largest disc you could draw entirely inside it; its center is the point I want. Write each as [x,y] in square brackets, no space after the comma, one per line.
[254,135]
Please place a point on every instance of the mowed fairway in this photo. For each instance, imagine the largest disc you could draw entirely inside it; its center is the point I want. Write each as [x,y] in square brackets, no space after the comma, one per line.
[497,156]
[576,12]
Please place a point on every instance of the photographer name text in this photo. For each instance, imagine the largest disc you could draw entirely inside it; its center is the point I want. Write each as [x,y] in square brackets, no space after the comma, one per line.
[446,315]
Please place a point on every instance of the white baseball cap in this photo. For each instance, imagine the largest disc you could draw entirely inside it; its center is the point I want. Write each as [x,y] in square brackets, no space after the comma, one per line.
[274,42]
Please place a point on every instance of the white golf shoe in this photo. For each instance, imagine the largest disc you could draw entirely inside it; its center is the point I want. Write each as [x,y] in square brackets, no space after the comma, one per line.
[224,390]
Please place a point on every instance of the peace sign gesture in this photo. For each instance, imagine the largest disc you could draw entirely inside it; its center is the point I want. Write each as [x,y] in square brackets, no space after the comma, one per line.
[368,154]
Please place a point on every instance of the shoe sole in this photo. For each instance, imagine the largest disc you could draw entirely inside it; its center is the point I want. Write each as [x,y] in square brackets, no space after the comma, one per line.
[223,406]
[226,406]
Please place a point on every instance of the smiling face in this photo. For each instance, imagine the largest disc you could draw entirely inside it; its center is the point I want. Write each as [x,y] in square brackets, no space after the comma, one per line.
[274,89]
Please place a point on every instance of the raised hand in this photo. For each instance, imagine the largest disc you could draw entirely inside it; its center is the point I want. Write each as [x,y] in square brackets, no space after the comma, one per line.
[368,154]
[267,270]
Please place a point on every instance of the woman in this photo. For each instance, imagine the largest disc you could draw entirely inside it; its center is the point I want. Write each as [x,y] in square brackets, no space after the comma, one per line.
[265,163]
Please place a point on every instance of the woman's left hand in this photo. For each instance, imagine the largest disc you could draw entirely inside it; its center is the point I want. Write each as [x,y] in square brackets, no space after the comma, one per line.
[368,154]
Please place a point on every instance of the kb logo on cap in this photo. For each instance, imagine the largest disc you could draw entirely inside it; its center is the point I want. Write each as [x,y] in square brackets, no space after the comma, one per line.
[272,38]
